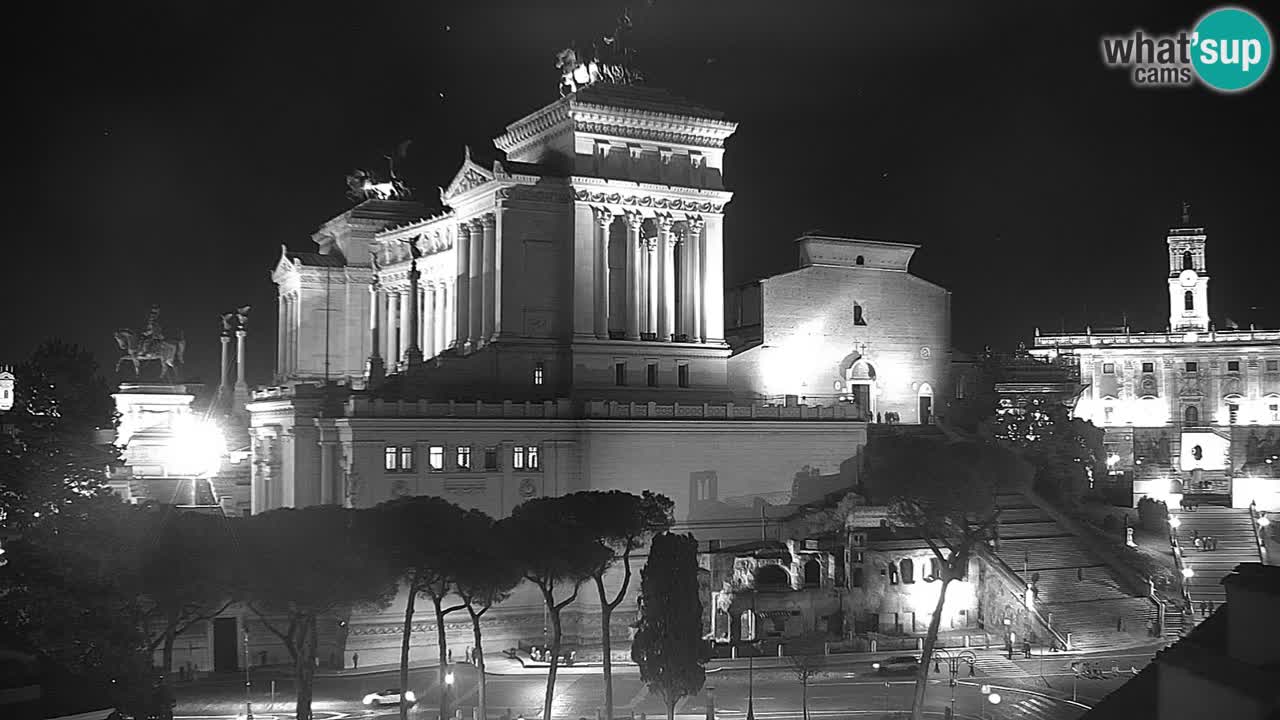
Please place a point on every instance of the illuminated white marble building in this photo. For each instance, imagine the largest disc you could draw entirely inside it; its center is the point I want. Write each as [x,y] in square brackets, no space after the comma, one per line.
[562,328]
[1194,408]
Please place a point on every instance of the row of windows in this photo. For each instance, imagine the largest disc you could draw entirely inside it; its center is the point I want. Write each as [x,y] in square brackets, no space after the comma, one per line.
[650,375]
[1191,414]
[1190,366]
[400,458]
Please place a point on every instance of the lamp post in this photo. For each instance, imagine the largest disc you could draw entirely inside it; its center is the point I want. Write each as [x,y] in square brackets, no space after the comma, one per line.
[953,661]
[248,703]
[751,664]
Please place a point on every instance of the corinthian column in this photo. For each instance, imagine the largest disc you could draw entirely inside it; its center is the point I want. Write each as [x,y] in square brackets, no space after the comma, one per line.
[667,282]
[374,370]
[697,269]
[475,329]
[488,225]
[633,275]
[653,275]
[393,317]
[429,320]
[280,337]
[604,220]
[462,320]
[412,352]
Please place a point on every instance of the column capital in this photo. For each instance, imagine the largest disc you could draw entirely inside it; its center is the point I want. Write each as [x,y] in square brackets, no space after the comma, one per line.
[634,220]
[695,223]
[649,243]
[603,216]
[665,223]
[488,221]
[464,227]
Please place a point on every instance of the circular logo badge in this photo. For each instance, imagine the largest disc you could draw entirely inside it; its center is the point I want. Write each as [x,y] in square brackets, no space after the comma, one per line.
[1231,49]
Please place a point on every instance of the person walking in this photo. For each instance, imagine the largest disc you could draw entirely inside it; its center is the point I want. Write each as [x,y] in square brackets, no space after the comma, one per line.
[355,661]
[1026,649]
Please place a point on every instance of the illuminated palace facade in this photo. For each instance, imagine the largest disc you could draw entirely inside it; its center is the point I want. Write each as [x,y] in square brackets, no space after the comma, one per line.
[561,326]
[1193,410]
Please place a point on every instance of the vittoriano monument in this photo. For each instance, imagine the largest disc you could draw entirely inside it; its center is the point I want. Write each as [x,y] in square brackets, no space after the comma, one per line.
[148,344]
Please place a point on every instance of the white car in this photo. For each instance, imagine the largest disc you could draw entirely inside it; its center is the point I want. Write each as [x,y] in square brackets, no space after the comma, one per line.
[390,696]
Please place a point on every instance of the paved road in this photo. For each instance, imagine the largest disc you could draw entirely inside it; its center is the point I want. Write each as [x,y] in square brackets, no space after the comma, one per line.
[1034,689]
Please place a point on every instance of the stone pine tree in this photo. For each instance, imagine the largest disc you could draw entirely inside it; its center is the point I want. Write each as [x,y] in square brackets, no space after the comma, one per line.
[305,565]
[487,573]
[622,522]
[668,641]
[554,552]
[423,538]
[945,491]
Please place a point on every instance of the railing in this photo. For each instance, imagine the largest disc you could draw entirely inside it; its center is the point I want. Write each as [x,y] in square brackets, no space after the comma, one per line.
[1011,577]
[1259,533]
[1171,338]
[600,409]
[547,410]
[1178,564]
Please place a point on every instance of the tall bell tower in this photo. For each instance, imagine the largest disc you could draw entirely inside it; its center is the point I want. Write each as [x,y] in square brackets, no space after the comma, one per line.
[1188,277]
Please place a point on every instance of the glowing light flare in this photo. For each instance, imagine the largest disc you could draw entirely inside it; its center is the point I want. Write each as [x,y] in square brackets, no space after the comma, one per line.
[1188,573]
[1175,522]
[197,447]
[1264,521]
[994,698]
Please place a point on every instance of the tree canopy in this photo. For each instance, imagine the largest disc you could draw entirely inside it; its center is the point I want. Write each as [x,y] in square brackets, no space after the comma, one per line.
[668,642]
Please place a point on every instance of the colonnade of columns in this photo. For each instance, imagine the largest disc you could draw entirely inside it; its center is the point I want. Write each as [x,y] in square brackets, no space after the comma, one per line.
[290,323]
[396,312]
[660,303]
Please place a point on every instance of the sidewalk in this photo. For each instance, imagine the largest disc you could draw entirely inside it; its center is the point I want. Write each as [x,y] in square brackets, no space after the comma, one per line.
[500,664]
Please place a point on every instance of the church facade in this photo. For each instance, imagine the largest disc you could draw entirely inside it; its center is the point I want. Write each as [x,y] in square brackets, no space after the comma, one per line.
[561,326]
[1193,410]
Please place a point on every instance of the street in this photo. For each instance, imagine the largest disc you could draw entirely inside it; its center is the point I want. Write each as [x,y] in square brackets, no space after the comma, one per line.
[1035,688]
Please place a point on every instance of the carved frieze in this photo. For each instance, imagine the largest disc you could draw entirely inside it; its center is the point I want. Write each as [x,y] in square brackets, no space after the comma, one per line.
[647,201]
[650,134]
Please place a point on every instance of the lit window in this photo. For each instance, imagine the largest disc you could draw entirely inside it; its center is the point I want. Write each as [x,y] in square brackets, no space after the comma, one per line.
[682,376]
[464,458]
[1193,366]
[620,374]
[398,458]
[1108,368]
[1233,413]
[1233,366]
[517,457]
[1275,412]
[1188,301]
[389,458]
[1148,367]
[531,457]
[1273,365]
[406,458]
[651,374]
[1107,412]
[435,457]
[538,369]
[491,458]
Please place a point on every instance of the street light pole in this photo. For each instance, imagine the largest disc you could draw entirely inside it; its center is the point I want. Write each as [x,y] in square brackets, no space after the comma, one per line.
[751,664]
[248,703]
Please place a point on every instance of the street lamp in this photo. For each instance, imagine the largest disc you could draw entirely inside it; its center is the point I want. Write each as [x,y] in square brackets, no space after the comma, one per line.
[751,664]
[248,703]
[1187,572]
[1263,521]
[1175,522]
[953,666]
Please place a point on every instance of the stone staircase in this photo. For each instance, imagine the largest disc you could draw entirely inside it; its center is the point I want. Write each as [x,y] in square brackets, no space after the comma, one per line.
[1076,590]
[1233,528]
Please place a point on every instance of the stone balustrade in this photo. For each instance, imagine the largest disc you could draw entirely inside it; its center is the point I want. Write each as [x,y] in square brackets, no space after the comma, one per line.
[1173,338]
[612,410]
[546,410]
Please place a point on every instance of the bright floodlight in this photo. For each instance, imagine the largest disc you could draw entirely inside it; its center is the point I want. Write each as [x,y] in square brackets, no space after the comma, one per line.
[448,678]
[196,447]
[1187,572]
[994,698]
[1264,521]
[1174,522]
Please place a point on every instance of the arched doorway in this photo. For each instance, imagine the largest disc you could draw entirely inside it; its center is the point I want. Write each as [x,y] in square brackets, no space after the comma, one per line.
[860,384]
[772,577]
[924,404]
[812,573]
[1191,416]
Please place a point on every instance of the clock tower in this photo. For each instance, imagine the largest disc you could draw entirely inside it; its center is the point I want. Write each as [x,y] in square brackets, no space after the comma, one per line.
[1188,278]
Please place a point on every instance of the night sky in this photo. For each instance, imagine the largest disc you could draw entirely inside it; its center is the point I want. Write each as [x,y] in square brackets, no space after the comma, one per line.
[163,151]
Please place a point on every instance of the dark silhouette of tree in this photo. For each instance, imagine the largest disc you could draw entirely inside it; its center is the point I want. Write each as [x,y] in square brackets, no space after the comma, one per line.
[945,491]
[302,565]
[553,551]
[622,522]
[423,536]
[1066,452]
[487,573]
[185,574]
[53,453]
[668,643]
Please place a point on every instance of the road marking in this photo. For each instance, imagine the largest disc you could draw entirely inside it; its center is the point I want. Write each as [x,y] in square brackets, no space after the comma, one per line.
[1031,692]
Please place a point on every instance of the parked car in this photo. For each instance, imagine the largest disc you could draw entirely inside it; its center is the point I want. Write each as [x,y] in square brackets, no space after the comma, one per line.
[390,696]
[897,664]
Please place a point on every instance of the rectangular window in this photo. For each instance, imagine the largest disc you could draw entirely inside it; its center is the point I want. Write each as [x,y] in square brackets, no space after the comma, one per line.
[1233,413]
[398,458]
[1106,413]
[620,374]
[390,458]
[538,369]
[682,375]
[1148,367]
[1192,366]
[435,457]
[531,457]
[1108,368]
[960,389]
[651,374]
[464,458]
[517,457]
[1233,366]
[1275,412]
[406,458]
[1273,365]
[491,458]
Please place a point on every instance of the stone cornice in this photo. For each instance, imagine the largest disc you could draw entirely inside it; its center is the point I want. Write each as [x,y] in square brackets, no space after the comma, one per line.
[530,128]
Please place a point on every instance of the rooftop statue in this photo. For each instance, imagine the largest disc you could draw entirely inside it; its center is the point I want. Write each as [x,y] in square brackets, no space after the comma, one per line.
[150,344]
[611,60]
[363,185]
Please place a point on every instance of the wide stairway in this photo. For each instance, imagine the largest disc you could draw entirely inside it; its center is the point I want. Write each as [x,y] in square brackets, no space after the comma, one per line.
[1076,590]
[1233,529]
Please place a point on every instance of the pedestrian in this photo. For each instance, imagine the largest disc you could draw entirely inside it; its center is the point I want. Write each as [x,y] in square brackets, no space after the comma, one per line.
[1026,649]
[1214,540]
[1053,644]
[1204,608]
[1195,534]
[1211,607]
[1198,543]
[1119,624]
[355,661]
